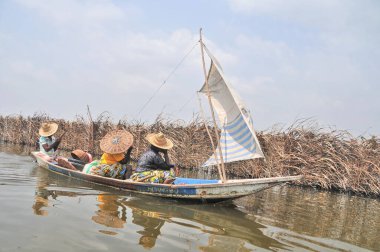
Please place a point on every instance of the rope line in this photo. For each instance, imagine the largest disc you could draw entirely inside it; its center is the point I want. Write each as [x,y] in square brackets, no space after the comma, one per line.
[164,82]
[187,102]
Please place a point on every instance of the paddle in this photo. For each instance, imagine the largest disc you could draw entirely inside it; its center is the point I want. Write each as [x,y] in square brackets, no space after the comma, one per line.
[60,138]
[56,144]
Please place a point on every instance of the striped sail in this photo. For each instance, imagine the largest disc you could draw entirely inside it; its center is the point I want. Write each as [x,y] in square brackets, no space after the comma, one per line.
[238,139]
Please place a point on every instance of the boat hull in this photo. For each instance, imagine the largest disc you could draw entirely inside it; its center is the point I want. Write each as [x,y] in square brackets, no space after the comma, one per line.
[202,192]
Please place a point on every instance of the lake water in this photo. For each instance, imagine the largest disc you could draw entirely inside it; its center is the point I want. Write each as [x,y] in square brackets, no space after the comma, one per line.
[43,211]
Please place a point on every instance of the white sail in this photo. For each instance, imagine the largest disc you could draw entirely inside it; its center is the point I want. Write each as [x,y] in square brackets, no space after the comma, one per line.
[238,139]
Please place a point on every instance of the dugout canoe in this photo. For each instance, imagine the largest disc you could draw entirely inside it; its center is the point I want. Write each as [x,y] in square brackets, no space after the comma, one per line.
[199,190]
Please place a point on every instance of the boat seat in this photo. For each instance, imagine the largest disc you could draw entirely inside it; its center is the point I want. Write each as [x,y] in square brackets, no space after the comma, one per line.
[76,161]
[78,164]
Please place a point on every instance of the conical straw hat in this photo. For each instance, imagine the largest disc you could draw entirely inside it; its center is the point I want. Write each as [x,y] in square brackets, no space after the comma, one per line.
[159,140]
[48,129]
[116,142]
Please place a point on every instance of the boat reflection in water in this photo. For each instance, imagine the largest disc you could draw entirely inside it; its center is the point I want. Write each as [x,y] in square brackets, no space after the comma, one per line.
[224,226]
[41,200]
[278,219]
[43,194]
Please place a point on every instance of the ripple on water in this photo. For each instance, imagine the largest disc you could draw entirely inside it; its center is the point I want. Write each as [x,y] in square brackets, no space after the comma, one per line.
[15,170]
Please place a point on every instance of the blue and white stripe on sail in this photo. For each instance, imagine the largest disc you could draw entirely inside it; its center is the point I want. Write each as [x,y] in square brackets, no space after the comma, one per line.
[236,141]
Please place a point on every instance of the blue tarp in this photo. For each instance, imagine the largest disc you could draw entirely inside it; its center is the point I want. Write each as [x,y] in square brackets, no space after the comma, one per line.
[191,181]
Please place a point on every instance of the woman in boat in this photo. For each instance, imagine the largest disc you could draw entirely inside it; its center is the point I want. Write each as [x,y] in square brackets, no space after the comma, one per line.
[151,165]
[47,142]
[114,161]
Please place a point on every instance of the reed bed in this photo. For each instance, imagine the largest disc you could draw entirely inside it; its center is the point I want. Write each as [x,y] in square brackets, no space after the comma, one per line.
[329,159]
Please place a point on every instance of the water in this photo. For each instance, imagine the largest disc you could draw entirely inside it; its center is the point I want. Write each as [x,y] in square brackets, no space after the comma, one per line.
[43,211]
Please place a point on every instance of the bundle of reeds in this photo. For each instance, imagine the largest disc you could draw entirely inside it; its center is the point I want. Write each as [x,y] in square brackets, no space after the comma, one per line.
[328,159]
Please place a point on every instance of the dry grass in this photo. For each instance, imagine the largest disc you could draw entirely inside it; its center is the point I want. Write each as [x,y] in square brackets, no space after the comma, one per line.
[328,159]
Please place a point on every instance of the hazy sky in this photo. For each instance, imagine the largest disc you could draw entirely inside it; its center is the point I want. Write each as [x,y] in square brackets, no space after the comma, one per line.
[287,59]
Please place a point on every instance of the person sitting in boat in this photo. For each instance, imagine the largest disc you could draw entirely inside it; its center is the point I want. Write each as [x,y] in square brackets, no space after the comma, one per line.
[151,165]
[47,142]
[114,161]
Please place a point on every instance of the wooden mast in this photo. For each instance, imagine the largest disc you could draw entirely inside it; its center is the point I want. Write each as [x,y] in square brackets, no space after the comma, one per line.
[222,172]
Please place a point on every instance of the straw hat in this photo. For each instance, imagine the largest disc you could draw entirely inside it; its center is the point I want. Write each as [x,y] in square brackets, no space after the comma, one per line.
[48,129]
[159,140]
[81,155]
[116,142]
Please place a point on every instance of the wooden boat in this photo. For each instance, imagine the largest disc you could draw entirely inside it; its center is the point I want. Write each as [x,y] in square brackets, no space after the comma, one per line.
[237,142]
[201,190]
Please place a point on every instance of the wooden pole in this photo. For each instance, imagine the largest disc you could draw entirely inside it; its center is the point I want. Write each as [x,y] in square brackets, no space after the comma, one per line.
[209,135]
[91,131]
[223,173]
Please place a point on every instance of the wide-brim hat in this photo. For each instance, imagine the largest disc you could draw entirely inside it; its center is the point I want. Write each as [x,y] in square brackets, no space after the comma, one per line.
[81,155]
[116,142]
[48,129]
[159,140]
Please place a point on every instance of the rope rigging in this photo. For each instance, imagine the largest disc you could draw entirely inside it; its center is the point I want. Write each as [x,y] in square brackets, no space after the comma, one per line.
[165,81]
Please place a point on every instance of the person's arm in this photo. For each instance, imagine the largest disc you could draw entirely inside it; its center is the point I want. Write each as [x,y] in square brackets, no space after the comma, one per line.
[167,161]
[163,164]
[58,141]
[54,145]
[127,156]
[166,156]
[45,144]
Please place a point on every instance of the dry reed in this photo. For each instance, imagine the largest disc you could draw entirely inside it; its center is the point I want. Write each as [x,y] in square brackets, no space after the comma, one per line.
[328,159]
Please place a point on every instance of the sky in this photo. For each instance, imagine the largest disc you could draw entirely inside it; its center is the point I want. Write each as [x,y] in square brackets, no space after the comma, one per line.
[288,60]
